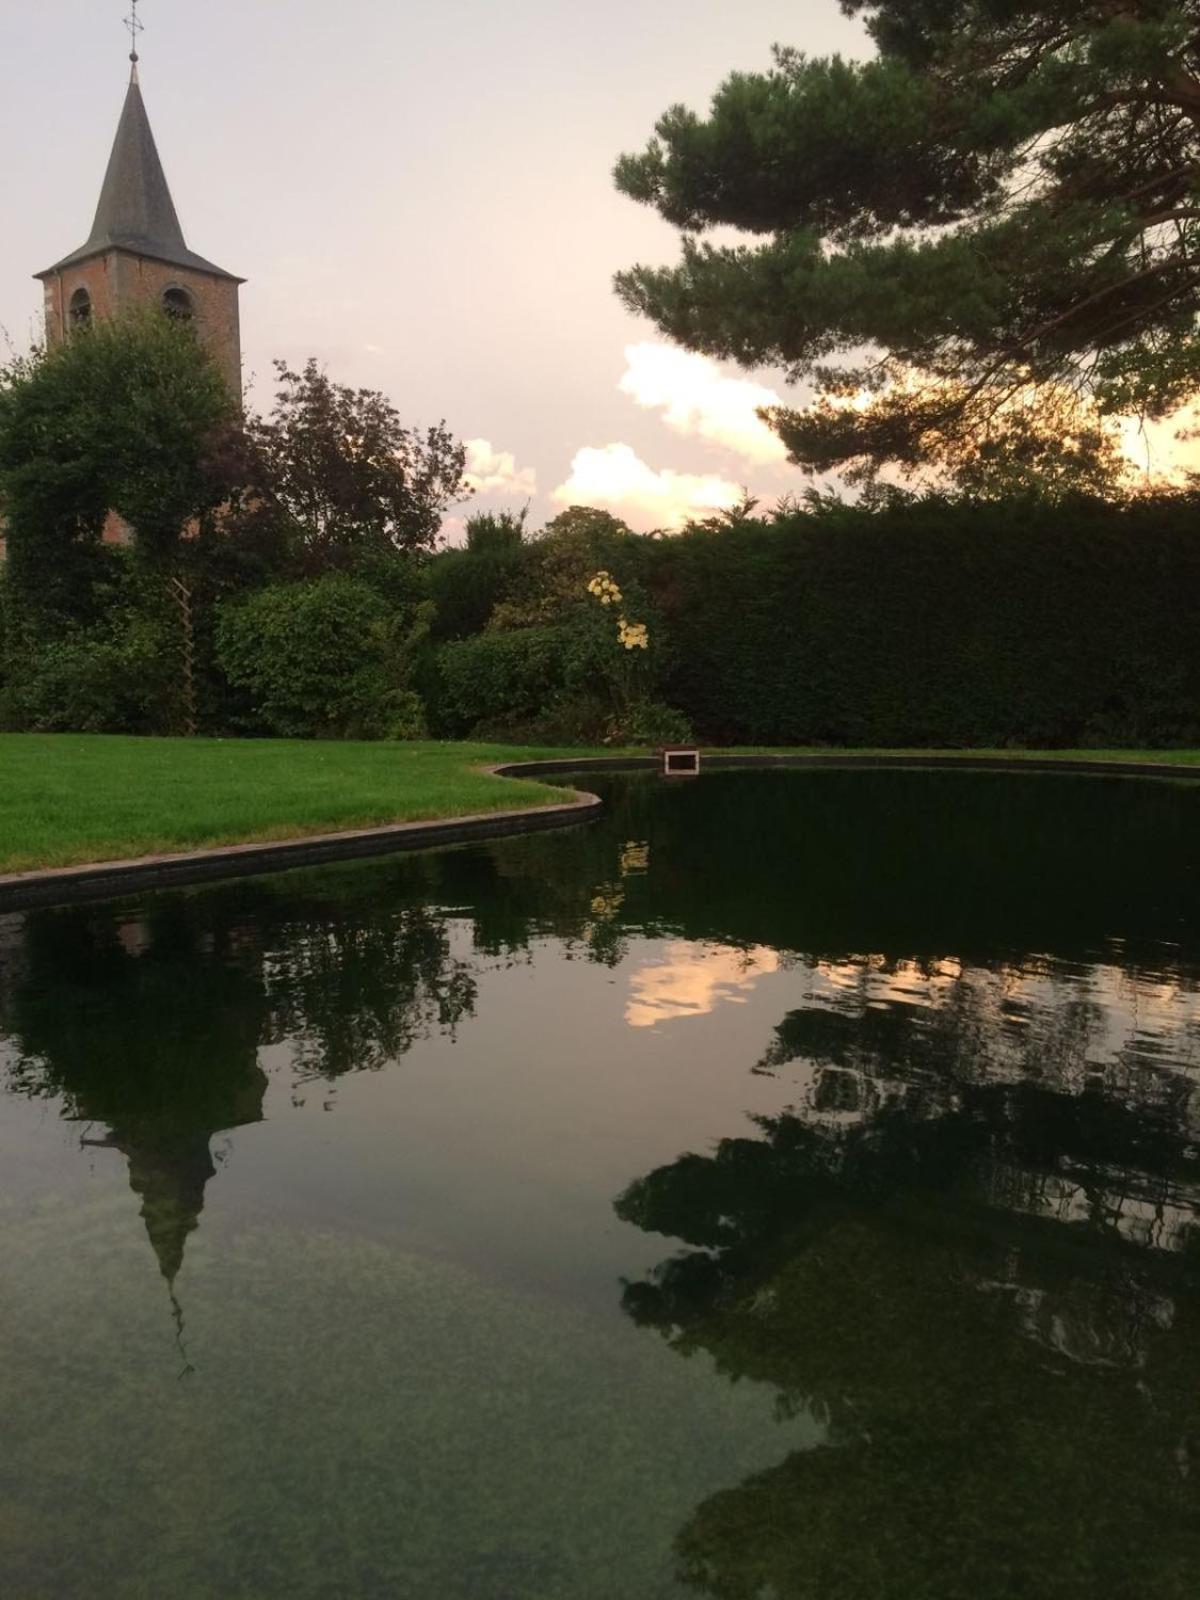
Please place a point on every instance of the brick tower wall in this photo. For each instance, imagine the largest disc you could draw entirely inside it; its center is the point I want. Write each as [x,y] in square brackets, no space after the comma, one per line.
[119,281]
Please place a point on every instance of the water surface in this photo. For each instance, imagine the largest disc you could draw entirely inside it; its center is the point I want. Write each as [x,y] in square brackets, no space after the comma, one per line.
[784,1187]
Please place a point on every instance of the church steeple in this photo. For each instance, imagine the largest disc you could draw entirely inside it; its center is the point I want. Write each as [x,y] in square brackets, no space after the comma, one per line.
[136,253]
[136,212]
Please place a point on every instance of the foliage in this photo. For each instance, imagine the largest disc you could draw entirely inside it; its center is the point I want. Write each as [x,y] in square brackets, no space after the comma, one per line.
[131,417]
[653,723]
[498,679]
[118,672]
[584,679]
[915,621]
[1045,442]
[467,585]
[1004,200]
[317,659]
[552,579]
[345,476]
[936,623]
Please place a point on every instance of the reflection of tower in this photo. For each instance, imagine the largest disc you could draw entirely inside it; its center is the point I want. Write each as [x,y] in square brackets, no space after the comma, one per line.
[170,1163]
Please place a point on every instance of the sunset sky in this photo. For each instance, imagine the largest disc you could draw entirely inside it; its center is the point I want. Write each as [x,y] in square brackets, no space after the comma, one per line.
[420,195]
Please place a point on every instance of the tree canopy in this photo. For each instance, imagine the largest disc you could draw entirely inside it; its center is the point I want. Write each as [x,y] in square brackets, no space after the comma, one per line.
[350,480]
[1002,205]
[133,418]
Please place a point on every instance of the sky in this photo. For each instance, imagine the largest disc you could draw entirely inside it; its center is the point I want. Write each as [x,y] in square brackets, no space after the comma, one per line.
[420,196]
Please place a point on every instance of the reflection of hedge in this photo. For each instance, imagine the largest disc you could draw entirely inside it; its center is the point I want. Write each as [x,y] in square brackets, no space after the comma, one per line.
[936,624]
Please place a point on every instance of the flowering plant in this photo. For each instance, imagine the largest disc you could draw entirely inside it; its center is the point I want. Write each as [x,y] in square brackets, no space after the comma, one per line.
[630,635]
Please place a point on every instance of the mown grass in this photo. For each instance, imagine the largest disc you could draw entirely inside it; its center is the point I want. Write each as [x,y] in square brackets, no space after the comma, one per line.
[71,798]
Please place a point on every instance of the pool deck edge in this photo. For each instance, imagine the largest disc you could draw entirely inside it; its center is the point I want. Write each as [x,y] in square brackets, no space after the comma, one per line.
[21,891]
[56,886]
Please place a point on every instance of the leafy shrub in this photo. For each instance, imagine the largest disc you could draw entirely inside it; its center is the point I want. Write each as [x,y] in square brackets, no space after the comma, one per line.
[119,673]
[317,660]
[653,723]
[498,679]
[466,586]
[97,680]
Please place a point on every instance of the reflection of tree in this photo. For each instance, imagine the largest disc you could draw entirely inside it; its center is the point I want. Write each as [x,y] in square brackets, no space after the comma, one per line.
[353,990]
[1011,1406]
[1052,1094]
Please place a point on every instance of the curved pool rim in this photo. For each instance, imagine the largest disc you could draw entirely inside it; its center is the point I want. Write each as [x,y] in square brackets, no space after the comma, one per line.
[109,880]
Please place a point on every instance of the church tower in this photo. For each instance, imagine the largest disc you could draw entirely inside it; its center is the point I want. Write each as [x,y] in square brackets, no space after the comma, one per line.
[136,255]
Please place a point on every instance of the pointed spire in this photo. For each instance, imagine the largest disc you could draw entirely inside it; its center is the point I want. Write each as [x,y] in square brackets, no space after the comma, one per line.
[136,212]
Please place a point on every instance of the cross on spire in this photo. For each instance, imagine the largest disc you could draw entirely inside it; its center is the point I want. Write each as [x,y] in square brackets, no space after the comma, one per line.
[135,26]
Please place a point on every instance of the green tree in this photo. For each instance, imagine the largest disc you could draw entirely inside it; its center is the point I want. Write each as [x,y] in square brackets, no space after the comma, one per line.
[132,418]
[1000,206]
[350,482]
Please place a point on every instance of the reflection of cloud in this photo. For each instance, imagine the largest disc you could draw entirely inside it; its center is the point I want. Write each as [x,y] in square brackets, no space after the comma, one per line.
[617,479]
[693,979]
[495,471]
[696,399]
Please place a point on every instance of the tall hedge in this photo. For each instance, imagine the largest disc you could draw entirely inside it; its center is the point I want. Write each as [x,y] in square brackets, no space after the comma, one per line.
[937,624]
[934,623]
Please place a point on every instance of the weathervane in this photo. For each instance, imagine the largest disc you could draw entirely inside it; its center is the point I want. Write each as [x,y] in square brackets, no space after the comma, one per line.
[135,25]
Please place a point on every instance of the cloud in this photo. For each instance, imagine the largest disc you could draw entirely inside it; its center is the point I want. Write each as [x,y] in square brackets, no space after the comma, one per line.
[616,479]
[696,399]
[495,471]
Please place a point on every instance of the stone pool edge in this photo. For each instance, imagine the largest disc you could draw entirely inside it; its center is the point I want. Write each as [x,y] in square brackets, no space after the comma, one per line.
[22,891]
[105,880]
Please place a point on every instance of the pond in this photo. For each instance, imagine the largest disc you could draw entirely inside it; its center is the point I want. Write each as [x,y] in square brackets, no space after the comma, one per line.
[786,1186]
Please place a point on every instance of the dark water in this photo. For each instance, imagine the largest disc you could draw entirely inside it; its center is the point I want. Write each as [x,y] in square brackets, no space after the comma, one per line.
[785,1187]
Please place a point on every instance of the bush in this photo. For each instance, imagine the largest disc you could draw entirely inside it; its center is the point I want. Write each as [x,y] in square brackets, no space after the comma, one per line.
[650,722]
[317,660]
[937,622]
[90,681]
[497,679]
[122,673]
[467,585]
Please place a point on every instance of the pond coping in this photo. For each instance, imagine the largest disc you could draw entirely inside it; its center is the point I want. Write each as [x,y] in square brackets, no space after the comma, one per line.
[21,891]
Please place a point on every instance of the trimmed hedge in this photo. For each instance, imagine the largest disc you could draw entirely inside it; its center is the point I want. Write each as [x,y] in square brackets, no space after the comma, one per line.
[938,623]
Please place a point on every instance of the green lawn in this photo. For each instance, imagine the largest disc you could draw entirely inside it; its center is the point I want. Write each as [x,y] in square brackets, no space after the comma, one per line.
[69,798]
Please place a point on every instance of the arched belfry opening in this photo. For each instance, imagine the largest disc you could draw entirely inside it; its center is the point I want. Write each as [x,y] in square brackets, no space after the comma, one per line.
[80,309]
[178,304]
